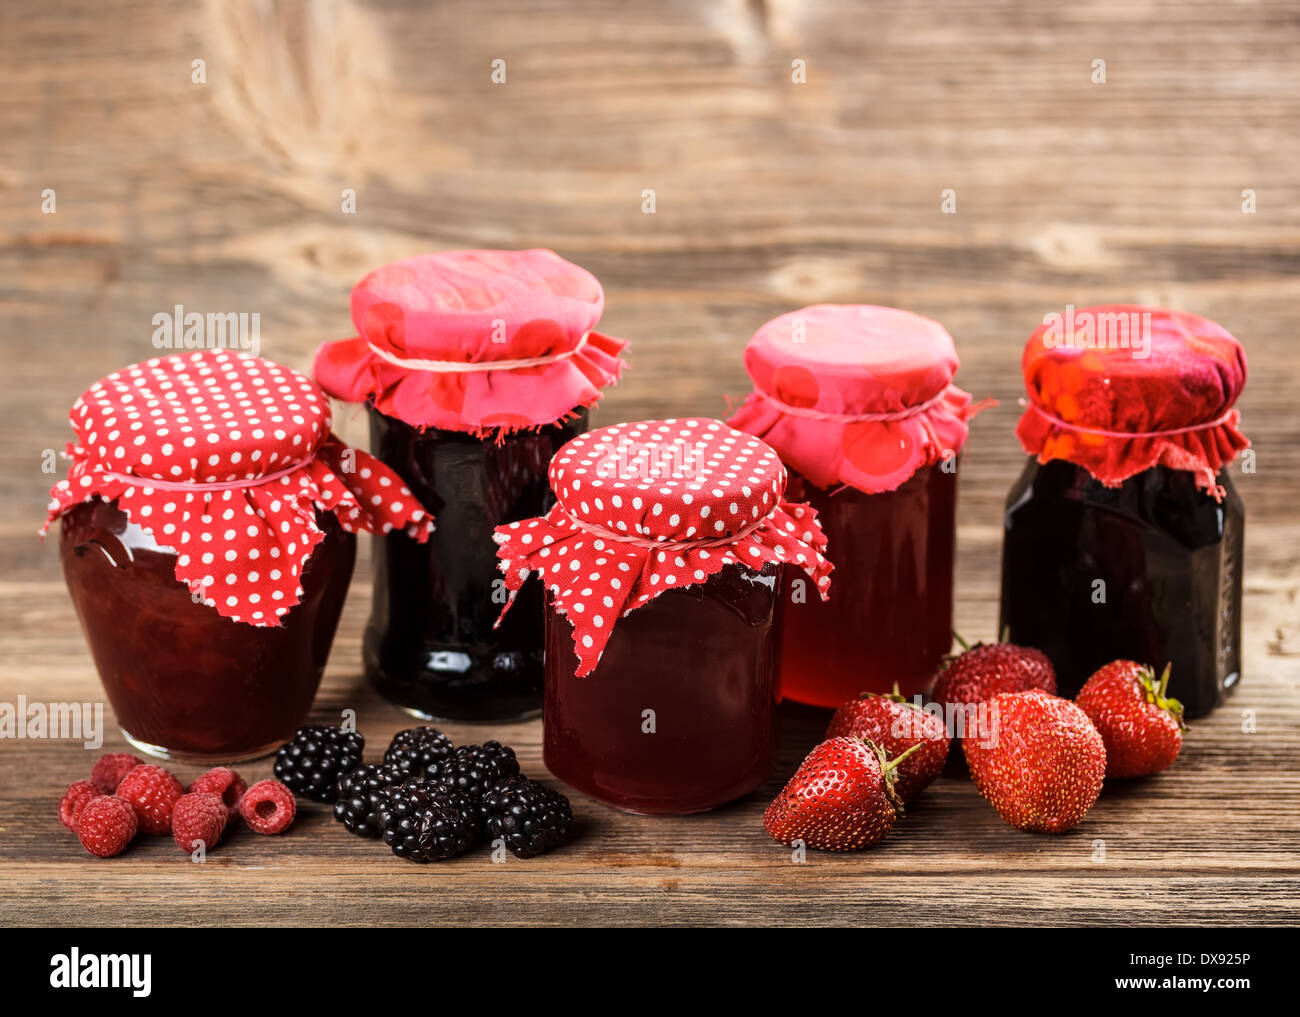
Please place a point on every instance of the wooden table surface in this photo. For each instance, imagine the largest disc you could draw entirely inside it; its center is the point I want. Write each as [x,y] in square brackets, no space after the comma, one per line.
[226,195]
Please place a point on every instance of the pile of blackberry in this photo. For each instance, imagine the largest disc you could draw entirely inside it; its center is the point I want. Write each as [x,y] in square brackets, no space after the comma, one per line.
[314,759]
[428,799]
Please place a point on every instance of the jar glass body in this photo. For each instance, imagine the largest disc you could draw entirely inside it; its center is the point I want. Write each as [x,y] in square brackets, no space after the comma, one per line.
[679,716]
[430,645]
[1149,571]
[184,682]
[889,617]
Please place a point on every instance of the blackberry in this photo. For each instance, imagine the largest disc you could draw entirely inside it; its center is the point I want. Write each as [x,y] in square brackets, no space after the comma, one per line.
[359,795]
[424,821]
[314,759]
[528,816]
[475,768]
[417,747]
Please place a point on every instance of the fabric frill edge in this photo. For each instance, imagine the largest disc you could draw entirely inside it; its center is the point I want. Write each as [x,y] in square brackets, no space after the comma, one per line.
[372,381]
[1112,461]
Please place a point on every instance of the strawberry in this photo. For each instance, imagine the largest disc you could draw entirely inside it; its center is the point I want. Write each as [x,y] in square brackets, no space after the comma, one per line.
[1037,759]
[841,798]
[988,669]
[1141,726]
[895,724]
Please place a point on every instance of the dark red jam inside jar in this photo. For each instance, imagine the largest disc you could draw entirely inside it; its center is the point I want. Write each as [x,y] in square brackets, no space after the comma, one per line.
[184,682]
[1168,559]
[859,402]
[660,562]
[430,645]
[889,618]
[679,716]
[1123,536]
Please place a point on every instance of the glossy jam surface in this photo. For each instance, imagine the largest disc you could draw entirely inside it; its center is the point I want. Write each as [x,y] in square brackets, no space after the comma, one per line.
[182,680]
[889,617]
[430,645]
[1149,571]
[703,659]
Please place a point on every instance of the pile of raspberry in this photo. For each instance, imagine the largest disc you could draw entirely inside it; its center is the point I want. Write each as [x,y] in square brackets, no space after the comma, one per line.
[126,796]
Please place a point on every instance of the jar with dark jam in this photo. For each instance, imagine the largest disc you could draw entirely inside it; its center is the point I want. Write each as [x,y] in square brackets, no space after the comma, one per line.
[476,367]
[184,682]
[703,660]
[430,645]
[859,403]
[660,564]
[207,538]
[1123,536]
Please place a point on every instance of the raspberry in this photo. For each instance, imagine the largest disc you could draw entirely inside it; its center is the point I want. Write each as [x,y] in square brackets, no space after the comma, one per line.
[152,792]
[110,768]
[268,807]
[106,825]
[226,783]
[199,817]
[74,800]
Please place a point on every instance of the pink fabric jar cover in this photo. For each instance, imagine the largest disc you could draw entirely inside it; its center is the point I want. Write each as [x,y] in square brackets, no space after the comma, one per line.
[855,394]
[479,341]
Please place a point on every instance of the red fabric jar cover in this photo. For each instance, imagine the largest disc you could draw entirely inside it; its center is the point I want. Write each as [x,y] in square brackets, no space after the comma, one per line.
[1097,401]
[855,394]
[474,341]
[648,506]
[225,458]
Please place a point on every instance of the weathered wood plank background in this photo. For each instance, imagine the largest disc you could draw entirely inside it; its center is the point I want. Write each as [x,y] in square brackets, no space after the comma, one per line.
[227,195]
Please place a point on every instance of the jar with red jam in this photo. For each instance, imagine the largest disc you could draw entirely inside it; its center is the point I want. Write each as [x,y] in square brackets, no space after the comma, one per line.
[207,538]
[660,563]
[859,403]
[1123,535]
[475,367]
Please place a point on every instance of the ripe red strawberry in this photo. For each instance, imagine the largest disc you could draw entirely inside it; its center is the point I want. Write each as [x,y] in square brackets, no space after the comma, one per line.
[1037,759]
[225,782]
[895,724]
[841,798]
[152,792]
[110,768]
[74,800]
[106,825]
[989,669]
[198,817]
[1141,726]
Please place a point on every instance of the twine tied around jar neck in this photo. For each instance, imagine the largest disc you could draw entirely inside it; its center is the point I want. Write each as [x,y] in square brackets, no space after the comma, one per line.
[852,418]
[465,367]
[651,544]
[1056,421]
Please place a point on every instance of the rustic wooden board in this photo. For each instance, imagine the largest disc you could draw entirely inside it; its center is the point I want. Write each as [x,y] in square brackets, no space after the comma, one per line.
[225,196]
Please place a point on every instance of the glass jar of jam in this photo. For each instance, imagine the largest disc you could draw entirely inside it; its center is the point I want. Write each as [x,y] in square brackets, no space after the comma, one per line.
[430,645]
[1123,536]
[476,366]
[859,402]
[207,540]
[660,562]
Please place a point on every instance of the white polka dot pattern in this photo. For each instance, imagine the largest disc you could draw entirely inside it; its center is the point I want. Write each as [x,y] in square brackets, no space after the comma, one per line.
[648,506]
[226,458]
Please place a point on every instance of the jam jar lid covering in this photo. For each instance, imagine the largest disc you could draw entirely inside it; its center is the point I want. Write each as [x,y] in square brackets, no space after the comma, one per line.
[648,506]
[485,342]
[855,394]
[225,459]
[1118,389]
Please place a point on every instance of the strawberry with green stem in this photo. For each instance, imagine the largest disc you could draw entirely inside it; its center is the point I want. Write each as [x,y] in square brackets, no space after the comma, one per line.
[842,797]
[896,724]
[1141,724]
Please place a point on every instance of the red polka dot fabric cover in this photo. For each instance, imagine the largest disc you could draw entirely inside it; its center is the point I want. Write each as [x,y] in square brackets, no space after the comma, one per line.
[420,321]
[649,506]
[1115,412]
[855,394]
[203,425]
